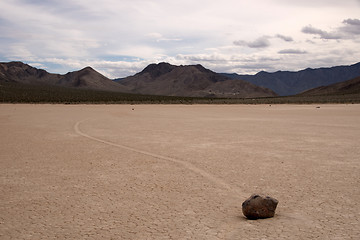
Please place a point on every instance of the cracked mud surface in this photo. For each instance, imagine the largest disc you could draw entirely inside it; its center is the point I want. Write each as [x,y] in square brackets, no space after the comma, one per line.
[178,172]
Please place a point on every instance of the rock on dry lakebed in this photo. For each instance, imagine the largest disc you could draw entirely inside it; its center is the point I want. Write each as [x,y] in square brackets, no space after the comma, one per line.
[259,206]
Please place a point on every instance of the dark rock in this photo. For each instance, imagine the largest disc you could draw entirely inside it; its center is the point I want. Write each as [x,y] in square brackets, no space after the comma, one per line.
[259,206]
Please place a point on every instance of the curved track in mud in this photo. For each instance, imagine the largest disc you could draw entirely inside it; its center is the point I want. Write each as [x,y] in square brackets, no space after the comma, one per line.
[183,163]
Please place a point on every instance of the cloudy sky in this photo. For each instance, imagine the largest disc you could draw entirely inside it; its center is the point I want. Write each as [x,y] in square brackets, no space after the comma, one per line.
[120,37]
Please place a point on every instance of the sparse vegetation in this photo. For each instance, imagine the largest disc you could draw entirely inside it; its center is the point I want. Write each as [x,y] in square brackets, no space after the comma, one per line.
[25,93]
[11,92]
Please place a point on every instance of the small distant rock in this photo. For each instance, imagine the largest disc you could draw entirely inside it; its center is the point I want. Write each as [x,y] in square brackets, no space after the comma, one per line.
[259,206]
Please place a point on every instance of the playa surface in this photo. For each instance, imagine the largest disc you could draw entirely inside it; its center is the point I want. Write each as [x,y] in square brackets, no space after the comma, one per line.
[178,171]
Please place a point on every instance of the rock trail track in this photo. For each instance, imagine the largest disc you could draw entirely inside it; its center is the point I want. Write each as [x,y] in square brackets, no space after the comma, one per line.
[183,163]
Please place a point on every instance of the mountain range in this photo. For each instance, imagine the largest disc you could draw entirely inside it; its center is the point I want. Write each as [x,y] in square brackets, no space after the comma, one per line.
[286,83]
[192,81]
[155,79]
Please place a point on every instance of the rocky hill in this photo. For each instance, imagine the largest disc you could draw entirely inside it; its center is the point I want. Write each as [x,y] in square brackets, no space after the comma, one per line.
[347,87]
[87,78]
[191,81]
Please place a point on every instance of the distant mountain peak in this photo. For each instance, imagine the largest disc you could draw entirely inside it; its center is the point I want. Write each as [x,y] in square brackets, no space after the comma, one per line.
[156,70]
[85,71]
[201,68]
[88,68]
[16,63]
[262,73]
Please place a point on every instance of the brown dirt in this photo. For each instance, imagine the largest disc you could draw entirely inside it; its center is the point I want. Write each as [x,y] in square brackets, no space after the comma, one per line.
[178,172]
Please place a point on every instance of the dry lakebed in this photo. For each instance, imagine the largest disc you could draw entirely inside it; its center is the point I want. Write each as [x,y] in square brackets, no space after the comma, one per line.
[178,171]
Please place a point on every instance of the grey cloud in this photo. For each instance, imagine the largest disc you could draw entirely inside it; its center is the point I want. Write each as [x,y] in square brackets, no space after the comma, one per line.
[349,30]
[309,41]
[311,30]
[285,38]
[352,26]
[261,42]
[323,34]
[352,21]
[292,51]
[240,43]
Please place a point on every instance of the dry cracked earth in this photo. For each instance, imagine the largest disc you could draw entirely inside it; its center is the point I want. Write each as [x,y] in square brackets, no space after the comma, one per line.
[178,171]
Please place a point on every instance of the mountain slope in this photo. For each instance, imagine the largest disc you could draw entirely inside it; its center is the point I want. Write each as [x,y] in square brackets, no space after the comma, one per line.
[86,78]
[289,83]
[347,87]
[191,81]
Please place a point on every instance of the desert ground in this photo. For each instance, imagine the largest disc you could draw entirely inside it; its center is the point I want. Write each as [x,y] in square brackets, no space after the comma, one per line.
[178,171]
